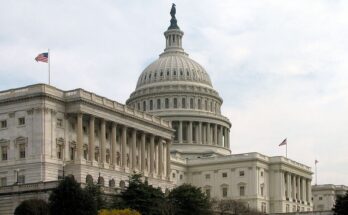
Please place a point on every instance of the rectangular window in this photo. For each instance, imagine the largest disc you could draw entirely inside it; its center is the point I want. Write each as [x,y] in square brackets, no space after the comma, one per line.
[72,153]
[224,192]
[207,176]
[242,191]
[241,173]
[59,151]
[21,121]
[21,179]
[320,198]
[224,174]
[207,192]
[22,151]
[3,124]
[261,173]
[3,181]
[4,153]
[59,123]
[158,104]
[183,103]
[262,191]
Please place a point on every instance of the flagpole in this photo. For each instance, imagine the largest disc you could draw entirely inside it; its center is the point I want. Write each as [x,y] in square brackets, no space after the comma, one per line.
[49,69]
[316,173]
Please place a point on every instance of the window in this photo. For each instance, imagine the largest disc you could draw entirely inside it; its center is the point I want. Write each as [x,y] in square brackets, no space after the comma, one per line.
[207,176]
[3,181]
[21,179]
[181,177]
[158,104]
[60,174]
[21,121]
[173,175]
[85,153]
[261,191]
[261,173]
[287,208]
[224,174]
[199,104]
[22,151]
[175,101]
[207,192]
[224,192]
[4,153]
[183,103]
[59,123]
[242,191]
[191,103]
[320,198]
[166,103]
[151,104]
[72,153]
[241,173]
[3,124]
[59,151]
[84,128]
[263,207]
[144,105]
[206,105]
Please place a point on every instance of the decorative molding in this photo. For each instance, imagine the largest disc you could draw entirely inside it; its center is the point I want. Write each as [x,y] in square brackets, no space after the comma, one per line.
[60,141]
[21,140]
[4,142]
[30,112]
[11,115]
[72,143]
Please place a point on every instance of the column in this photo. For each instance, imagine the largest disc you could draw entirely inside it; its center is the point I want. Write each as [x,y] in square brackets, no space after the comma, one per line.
[134,148]
[215,134]
[189,136]
[298,188]
[289,185]
[152,149]
[209,134]
[124,144]
[113,143]
[79,137]
[91,138]
[143,140]
[199,136]
[304,189]
[203,134]
[225,137]
[102,141]
[228,138]
[220,136]
[169,142]
[293,185]
[309,189]
[160,157]
[180,132]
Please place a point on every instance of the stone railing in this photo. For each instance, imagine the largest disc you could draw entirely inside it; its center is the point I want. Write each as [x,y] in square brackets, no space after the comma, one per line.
[29,187]
[289,161]
[81,94]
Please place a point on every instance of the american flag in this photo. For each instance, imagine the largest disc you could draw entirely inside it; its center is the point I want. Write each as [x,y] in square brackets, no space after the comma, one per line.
[316,161]
[283,143]
[43,57]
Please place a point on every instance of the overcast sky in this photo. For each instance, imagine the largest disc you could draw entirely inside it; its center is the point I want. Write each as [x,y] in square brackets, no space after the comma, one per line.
[280,66]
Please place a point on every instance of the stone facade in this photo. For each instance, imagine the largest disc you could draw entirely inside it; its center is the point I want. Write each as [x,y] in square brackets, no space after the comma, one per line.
[324,196]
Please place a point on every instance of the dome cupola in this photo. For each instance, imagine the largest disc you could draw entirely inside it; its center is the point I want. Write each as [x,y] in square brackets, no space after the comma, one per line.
[179,89]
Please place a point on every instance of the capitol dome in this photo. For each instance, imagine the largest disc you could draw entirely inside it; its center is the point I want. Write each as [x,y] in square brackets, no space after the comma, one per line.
[179,89]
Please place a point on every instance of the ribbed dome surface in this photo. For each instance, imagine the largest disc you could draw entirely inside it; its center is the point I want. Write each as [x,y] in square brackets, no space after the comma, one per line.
[174,67]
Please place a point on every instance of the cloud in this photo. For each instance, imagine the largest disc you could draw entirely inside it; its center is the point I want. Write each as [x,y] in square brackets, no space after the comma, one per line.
[280,66]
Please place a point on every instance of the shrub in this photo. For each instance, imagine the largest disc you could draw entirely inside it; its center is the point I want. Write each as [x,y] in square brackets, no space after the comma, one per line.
[118,212]
[32,207]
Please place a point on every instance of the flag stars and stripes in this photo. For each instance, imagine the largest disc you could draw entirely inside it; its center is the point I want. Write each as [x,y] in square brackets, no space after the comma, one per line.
[43,57]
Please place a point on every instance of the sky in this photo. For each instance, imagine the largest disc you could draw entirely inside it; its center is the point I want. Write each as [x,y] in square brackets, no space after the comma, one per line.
[280,66]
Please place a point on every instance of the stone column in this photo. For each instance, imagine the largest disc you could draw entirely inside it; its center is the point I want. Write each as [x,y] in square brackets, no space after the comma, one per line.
[189,133]
[309,189]
[225,137]
[203,134]
[293,185]
[160,157]
[304,188]
[209,134]
[143,140]
[180,132]
[289,185]
[113,143]
[152,158]
[199,136]
[124,145]
[228,138]
[298,188]
[215,134]
[91,138]
[134,148]
[103,141]
[169,142]
[79,137]
[220,136]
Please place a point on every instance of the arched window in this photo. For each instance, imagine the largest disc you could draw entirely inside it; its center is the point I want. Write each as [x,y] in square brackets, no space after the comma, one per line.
[199,104]
[112,183]
[211,106]
[175,103]
[151,104]
[144,105]
[174,72]
[206,105]
[191,103]
[101,181]
[166,103]
[183,103]
[158,103]
[122,185]
[89,179]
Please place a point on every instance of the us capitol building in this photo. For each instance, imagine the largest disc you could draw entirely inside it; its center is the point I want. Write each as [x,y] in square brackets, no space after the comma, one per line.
[171,130]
